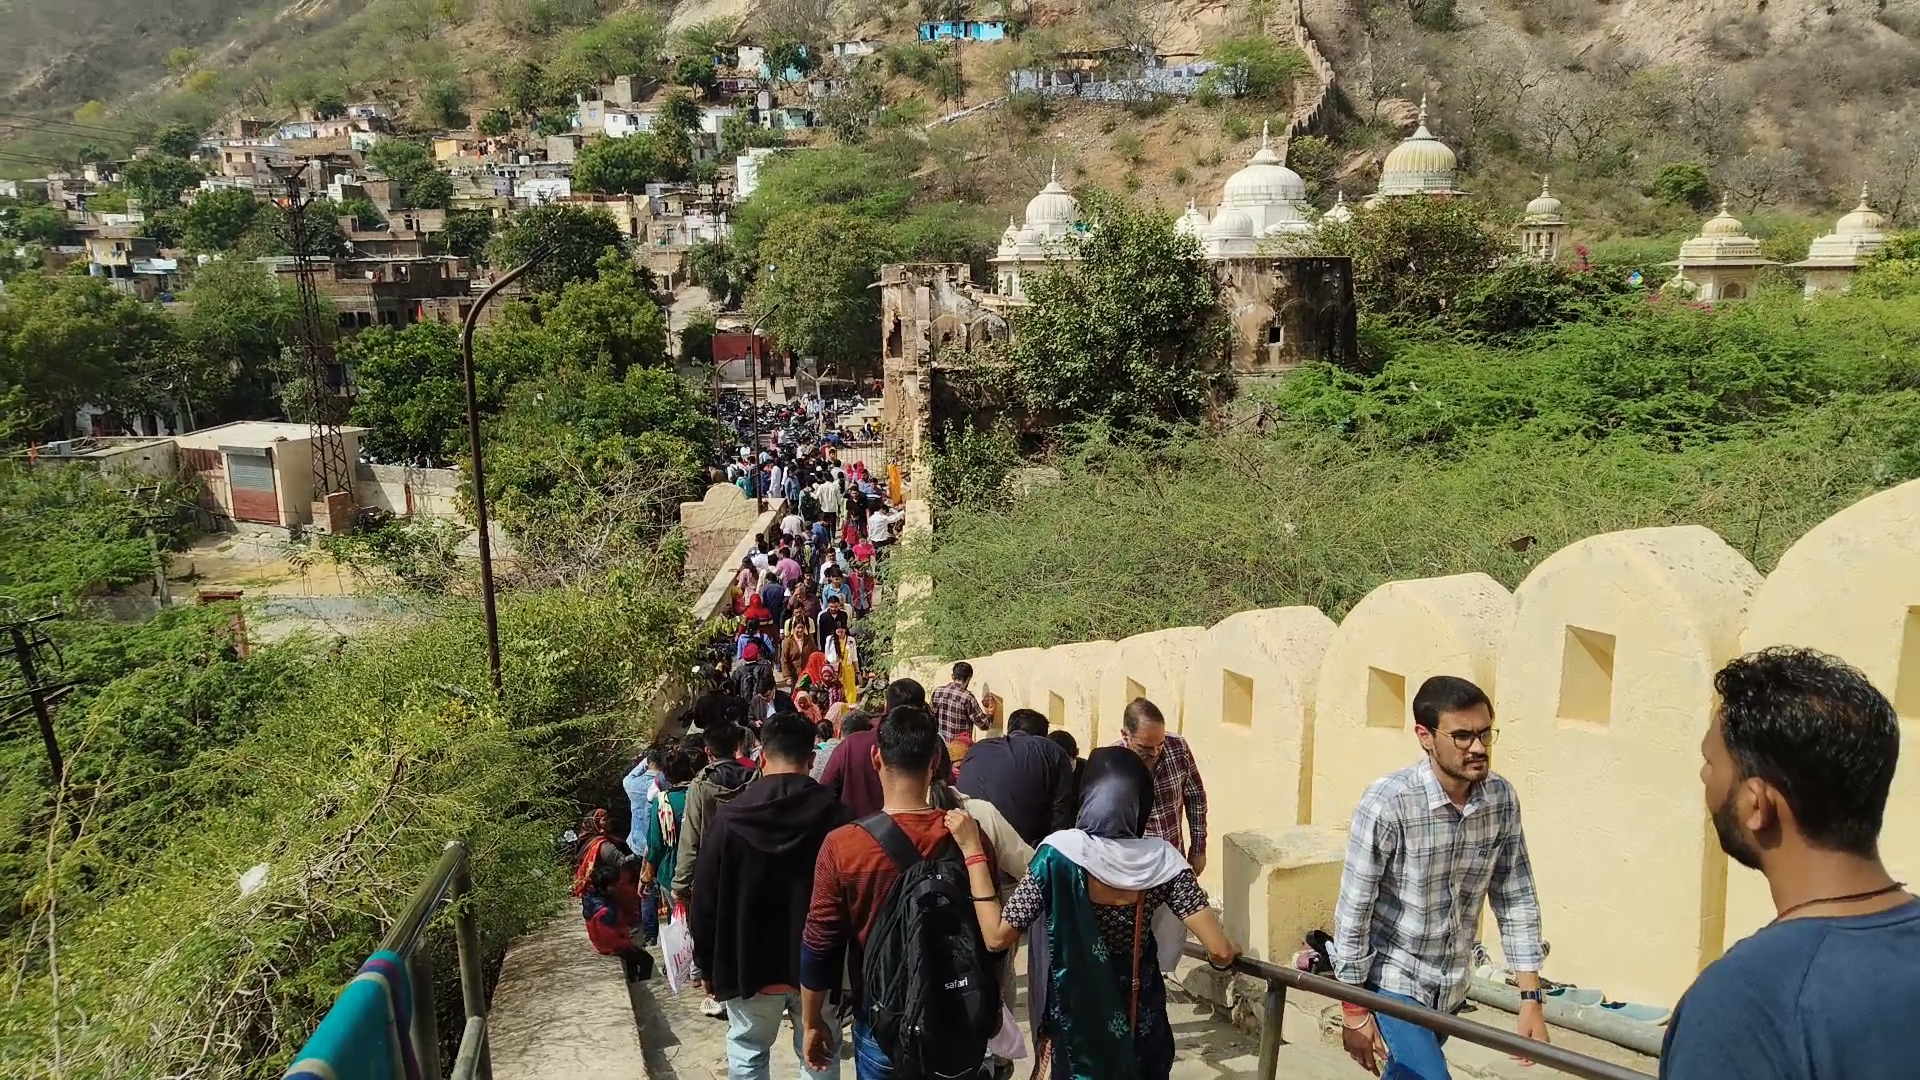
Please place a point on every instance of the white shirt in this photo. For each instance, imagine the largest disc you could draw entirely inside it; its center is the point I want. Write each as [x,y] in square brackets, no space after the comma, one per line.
[879,526]
[828,493]
[792,525]
[760,560]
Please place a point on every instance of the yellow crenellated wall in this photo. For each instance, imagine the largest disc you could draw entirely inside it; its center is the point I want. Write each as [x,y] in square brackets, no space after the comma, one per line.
[1600,665]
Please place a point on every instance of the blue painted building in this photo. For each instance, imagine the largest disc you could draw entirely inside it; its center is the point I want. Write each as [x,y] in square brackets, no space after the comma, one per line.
[966,30]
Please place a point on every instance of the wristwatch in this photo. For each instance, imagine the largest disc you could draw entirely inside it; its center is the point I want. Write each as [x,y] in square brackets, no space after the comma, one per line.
[1530,995]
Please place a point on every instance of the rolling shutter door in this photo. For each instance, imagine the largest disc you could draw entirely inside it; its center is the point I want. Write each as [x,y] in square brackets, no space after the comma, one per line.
[254,498]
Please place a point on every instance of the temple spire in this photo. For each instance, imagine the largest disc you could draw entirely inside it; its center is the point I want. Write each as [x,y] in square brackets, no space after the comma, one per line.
[1263,133]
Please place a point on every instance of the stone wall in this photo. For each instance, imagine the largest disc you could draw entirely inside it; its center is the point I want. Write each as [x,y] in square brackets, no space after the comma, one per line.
[1286,311]
[713,526]
[1600,665]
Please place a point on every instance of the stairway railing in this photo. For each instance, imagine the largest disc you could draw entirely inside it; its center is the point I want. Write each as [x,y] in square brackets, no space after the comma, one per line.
[450,880]
[1278,979]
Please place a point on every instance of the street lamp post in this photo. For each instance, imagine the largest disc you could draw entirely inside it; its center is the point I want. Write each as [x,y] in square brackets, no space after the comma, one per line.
[538,256]
[753,376]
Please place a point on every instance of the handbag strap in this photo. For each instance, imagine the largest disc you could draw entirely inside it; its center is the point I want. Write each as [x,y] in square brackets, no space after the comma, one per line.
[1133,999]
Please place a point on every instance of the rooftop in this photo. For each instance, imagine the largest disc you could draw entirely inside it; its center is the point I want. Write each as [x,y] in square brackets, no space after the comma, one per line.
[249,433]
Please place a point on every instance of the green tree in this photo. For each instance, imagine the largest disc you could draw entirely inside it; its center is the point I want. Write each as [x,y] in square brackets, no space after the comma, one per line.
[675,127]
[239,316]
[217,220]
[820,269]
[619,45]
[430,191]
[610,321]
[1684,183]
[443,101]
[158,179]
[32,224]
[715,266]
[856,180]
[467,234]
[495,123]
[1255,66]
[697,73]
[696,338]
[787,55]
[1414,258]
[365,215]
[578,236]
[70,340]
[1128,333]
[400,159]
[177,140]
[329,105]
[525,88]
[410,391]
[620,166]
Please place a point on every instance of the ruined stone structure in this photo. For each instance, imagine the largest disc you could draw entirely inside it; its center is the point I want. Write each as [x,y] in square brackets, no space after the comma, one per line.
[929,313]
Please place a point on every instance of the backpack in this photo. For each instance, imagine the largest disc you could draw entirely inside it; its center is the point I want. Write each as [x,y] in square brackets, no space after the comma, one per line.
[932,988]
[809,505]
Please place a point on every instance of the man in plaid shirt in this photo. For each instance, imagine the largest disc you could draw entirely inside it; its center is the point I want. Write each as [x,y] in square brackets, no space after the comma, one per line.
[1430,844]
[1176,779]
[954,708]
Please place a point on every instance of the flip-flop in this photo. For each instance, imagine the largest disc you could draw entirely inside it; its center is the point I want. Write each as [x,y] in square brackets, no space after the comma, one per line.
[1646,1014]
[1575,995]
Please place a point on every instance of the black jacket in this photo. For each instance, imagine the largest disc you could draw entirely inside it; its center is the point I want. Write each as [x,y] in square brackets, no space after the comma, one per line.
[754,880]
[1030,780]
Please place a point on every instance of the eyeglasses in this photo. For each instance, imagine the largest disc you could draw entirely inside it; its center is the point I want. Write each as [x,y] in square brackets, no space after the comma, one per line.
[1465,739]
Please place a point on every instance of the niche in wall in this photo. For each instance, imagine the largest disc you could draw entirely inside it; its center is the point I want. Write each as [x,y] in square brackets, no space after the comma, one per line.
[1586,676]
[1236,699]
[1386,699]
[1906,684]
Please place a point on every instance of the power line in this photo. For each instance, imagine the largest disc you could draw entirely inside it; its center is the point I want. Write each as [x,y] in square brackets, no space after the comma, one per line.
[34,159]
[44,122]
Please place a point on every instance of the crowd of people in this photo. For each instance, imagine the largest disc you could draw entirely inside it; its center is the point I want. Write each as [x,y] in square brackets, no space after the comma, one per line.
[850,855]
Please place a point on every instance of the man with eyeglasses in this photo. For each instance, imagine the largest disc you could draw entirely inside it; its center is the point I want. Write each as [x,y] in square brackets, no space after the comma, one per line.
[1430,845]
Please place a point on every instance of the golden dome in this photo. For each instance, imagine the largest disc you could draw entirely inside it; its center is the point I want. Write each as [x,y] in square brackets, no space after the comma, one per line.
[1420,165]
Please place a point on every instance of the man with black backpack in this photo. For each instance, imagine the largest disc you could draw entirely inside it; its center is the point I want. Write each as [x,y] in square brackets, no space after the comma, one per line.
[891,905]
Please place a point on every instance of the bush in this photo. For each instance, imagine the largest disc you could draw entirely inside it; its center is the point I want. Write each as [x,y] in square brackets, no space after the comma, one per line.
[1255,66]
[1684,183]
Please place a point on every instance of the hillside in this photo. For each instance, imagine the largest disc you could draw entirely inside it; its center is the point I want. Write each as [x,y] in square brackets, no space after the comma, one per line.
[1784,104]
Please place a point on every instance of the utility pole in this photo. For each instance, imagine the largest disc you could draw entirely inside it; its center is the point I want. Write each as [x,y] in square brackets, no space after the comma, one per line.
[41,698]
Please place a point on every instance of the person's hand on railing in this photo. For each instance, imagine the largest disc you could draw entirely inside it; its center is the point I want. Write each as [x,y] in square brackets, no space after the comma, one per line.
[1360,1036]
[1533,1017]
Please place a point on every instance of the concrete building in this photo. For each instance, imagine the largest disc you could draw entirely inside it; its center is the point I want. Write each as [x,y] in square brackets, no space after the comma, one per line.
[1722,263]
[380,291]
[125,457]
[1600,665]
[256,471]
[1833,259]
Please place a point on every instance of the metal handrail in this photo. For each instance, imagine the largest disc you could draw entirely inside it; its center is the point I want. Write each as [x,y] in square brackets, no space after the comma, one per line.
[451,879]
[1278,979]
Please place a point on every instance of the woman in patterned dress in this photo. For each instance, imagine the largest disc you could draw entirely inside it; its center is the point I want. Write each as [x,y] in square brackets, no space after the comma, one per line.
[1104,905]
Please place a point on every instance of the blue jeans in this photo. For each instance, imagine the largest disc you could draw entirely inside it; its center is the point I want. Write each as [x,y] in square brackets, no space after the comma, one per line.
[1413,1052]
[754,1023]
[869,1061]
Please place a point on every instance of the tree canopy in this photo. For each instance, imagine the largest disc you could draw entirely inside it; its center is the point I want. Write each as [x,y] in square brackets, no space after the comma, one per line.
[579,237]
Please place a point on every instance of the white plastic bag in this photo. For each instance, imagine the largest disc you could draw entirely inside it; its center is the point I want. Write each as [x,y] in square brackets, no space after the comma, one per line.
[1008,1043]
[676,948]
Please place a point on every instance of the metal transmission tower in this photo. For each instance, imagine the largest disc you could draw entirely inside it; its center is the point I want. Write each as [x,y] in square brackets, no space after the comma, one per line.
[332,472]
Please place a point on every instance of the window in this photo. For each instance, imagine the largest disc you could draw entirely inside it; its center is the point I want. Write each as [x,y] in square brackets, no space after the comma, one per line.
[1906,684]
[1586,677]
[1276,334]
[1236,699]
[1386,699]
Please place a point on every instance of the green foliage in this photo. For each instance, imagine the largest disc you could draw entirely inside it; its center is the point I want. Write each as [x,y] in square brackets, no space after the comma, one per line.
[430,191]
[495,122]
[239,317]
[1256,66]
[158,179]
[329,105]
[217,220]
[1414,258]
[1315,159]
[696,337]
[1684,183]
[443,101]
[177,140]
[856,181]
[785,56]
[619,45]
[973,469]
[1893,271]
[365,215]
[69,341]
[620,166]
[716,266]
[696,72]
[467,234]
[817,303]
[32,224]
[579,238]
[587,471]
[942,232]
[611,320]
[1125,334]
[410,391]
[402,160]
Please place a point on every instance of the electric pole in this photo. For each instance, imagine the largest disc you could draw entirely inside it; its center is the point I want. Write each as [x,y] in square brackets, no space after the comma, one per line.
[40,697]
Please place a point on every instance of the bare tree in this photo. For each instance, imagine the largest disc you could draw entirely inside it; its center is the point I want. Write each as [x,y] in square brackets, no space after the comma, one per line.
[1484,90]
[1140,25]
[1893,175]
[1765,177]
[1382,74]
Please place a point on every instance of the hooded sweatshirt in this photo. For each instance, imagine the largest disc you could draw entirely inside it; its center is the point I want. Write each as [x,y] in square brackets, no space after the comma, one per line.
[754,883]
[716,784]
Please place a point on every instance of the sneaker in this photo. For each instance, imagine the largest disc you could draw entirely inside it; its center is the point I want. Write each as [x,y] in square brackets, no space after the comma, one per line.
[712,1008]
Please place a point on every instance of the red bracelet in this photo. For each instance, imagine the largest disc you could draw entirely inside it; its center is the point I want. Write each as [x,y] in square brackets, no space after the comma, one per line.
[980,858]
[1351,1009]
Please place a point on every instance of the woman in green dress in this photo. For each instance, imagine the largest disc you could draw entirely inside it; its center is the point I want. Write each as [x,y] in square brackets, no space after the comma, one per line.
[1098,951]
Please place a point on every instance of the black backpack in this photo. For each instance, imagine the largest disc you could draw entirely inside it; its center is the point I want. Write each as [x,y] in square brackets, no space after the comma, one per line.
[932,988]
[809,506]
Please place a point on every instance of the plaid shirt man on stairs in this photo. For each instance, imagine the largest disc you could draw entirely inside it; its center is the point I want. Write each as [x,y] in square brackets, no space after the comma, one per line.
[1430,844]
[955,709]
[1176,780]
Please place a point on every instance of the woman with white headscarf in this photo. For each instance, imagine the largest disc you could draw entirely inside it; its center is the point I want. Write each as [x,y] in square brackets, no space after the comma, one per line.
[1105,904]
